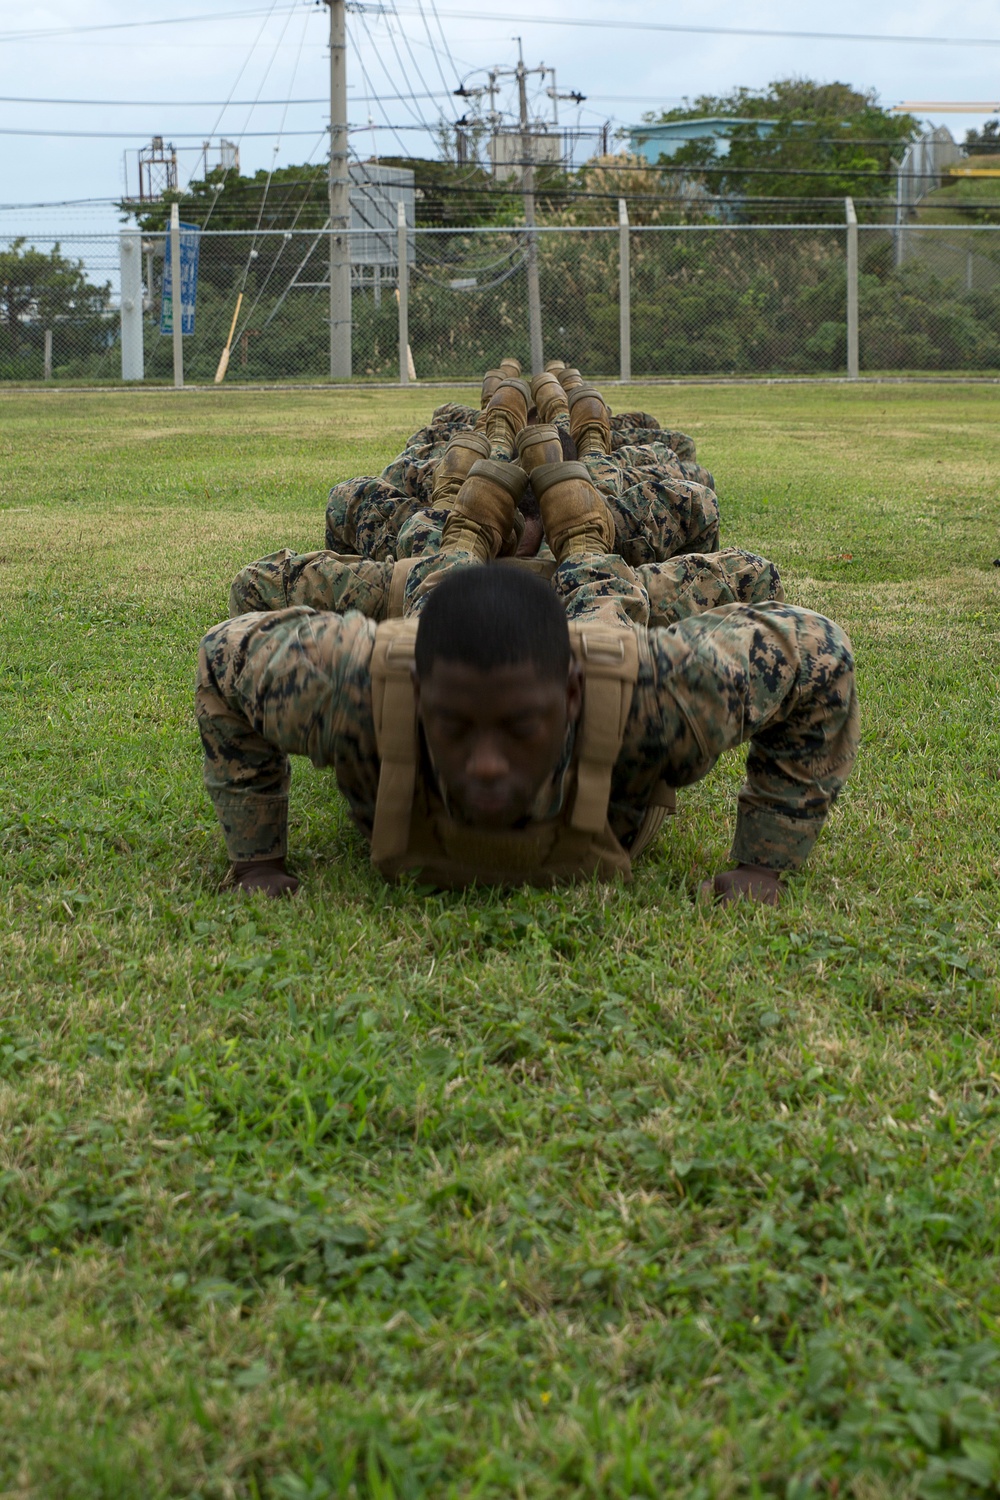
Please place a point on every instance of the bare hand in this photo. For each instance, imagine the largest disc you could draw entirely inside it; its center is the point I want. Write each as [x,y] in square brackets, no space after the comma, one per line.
[746,882]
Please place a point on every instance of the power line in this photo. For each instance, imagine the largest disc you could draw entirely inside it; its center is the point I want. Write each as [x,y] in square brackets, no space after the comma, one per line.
[130,135]
[616,24]
[612,23]
[40,34]
[444,39]
[200,103]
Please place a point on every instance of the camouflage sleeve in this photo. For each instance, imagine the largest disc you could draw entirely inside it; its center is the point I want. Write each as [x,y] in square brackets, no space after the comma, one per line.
[320,580]
[698,581]
[274,685]
[780,677]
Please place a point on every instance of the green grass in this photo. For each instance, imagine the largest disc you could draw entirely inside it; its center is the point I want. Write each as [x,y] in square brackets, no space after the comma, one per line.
[595,1194]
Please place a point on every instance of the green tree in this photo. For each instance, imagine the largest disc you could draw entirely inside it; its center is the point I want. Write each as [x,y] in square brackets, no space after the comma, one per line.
[42,290]
[829,141]
[985,142]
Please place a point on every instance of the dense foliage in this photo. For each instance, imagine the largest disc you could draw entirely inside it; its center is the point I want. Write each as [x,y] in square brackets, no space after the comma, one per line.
[985,142]
[828,141]
[42,290]
[705,301]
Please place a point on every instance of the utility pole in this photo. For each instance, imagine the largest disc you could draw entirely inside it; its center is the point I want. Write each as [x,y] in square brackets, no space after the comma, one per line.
[502,163]
[340,200]
[528,184]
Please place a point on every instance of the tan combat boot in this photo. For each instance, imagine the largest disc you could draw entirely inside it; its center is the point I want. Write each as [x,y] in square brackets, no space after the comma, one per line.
[589,421]
[482,520]
[506,414]
[549,397]
[575,517]
[491,380]
[553,366]
[455,462]
[511,367]
[538,445]
[570,378]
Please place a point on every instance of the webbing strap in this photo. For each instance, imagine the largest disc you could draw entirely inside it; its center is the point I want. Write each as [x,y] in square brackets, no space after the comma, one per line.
[610,660]
[395,713]
[401,570]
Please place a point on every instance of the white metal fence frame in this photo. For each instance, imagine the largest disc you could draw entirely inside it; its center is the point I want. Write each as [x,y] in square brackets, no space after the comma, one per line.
[964,258]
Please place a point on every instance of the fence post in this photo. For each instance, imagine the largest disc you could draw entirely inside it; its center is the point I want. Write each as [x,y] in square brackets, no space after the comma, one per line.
[176,308]
[47,368]
[624,294]
[403,292]
[130,257]
[852,289]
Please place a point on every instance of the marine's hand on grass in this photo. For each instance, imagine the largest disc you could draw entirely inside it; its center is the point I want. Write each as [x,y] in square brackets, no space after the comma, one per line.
[746,882]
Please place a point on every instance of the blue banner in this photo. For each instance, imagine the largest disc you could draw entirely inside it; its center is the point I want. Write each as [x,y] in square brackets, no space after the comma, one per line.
[190,243]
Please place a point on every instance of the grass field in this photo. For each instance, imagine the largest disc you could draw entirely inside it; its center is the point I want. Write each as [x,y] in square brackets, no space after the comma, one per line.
[598,1194]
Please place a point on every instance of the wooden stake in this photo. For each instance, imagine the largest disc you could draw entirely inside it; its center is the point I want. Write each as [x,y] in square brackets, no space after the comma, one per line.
[220,373]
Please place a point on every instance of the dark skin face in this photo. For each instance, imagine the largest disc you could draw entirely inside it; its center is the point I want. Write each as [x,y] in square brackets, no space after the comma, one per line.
[495,737]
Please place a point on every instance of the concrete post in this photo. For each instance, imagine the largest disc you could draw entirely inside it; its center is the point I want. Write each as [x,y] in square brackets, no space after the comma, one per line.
[624,294]
[852,289]
[47,366]
[340,200]
[176,309]
[130,257]
[528,184]
[403,292]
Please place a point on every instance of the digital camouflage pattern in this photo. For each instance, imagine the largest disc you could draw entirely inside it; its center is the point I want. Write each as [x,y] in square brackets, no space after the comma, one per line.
[629,427]
[297,682]
[363,515]
[655,594]
[658,512]
[367,514]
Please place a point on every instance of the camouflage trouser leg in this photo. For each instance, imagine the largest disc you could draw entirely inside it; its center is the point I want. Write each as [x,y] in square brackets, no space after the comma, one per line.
[321,580]
[629,427]
[364,516]
[626,427]
[653,453]
[657,514]
[691,584]
[421,533]
[603,586]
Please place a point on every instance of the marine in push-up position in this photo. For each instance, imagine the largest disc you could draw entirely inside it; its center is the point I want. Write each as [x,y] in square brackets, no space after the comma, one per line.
[508,729]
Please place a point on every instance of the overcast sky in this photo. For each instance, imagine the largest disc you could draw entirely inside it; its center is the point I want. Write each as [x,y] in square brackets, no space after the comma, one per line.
[280,54]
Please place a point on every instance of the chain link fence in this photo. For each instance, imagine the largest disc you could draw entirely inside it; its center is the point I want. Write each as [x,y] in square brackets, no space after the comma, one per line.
[720,300]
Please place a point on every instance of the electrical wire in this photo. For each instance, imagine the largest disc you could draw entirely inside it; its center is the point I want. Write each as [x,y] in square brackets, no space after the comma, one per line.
[402,72]
[444,39]
[611,23]
[58,31]
[434,50]
[370,85]
[263,201]
[244,132]
[614,23]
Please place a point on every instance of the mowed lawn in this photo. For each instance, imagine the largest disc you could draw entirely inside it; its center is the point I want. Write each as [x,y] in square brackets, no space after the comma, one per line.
[603,1193]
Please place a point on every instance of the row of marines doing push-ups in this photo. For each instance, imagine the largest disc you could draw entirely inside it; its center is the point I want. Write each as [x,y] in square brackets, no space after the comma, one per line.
[520,640]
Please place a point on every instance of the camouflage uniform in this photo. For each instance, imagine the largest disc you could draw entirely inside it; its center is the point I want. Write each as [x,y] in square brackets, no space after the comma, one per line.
[647,481]
[363,515]
[659,593]
[297,682]
[657,511]
[643,427]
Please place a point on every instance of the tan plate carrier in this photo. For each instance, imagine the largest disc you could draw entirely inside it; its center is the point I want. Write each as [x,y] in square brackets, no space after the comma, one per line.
[414,831]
